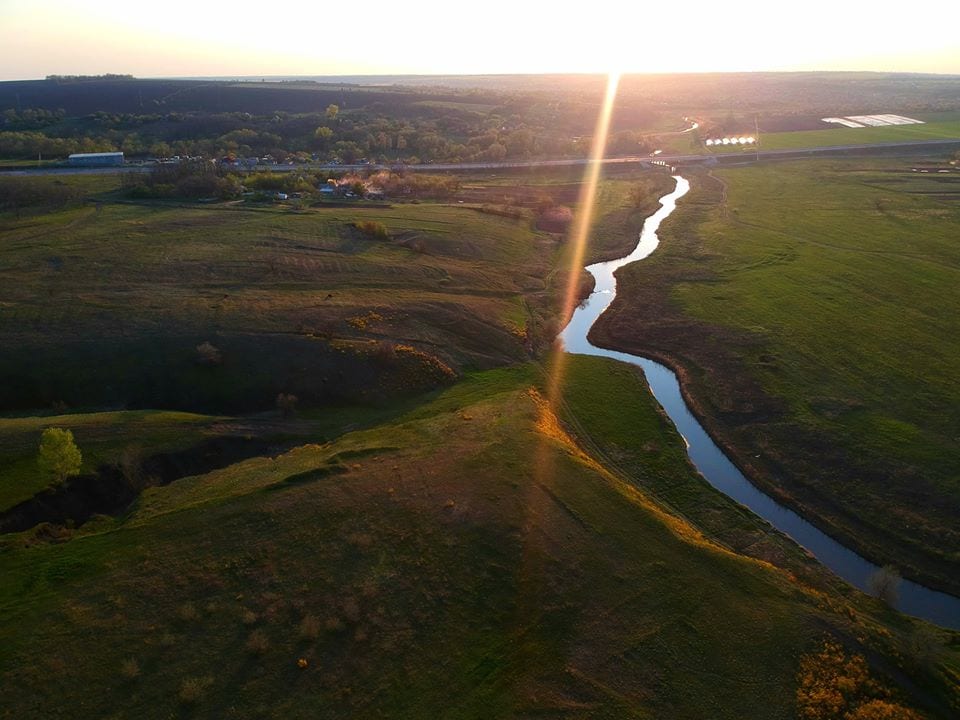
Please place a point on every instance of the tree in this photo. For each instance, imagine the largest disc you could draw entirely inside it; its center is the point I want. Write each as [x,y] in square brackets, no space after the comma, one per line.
[332,112]
[321,137]
[59,456]
[287,404]
[209,354]
[884,584]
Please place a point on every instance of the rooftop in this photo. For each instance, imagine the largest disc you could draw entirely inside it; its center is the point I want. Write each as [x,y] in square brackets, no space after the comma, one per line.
[90,155]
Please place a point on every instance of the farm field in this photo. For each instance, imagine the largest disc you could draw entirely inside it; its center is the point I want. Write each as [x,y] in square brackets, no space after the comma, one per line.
[829,136]
[811,310]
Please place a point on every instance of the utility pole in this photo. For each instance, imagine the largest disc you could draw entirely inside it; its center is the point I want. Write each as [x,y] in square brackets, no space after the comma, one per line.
[756,126]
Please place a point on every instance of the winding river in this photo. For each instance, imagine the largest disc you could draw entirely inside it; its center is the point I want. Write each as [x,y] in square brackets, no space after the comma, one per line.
[719,471]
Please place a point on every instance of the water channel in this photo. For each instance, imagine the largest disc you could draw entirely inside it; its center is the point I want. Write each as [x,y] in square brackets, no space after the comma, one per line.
[719,471]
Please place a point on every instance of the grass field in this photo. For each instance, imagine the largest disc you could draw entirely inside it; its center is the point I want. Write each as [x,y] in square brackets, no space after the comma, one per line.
[830,136]
[459,549]
[97,301]
[813,311]
[465,560]
[103,437]
[104,306]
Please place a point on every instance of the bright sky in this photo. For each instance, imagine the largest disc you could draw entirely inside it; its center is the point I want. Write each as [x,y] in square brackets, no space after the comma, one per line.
[337,37]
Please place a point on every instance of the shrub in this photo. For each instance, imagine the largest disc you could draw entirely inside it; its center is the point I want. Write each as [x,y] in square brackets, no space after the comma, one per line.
[555,219]
[257,643]
[130,668]
[833,684]
[20,192]
[309,628]
[373,229]
[188,612]
[193,689]
[385,352]
[190,180]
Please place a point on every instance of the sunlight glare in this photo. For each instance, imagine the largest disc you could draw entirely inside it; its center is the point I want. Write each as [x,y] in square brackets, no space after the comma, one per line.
[584,221]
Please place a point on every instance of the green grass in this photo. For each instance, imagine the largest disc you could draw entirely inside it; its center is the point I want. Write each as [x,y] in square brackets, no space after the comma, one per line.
[832,287]
[129,285]
[459,563]
[105,306]
[101,437]
[451,553]
[26,162]
[830,136]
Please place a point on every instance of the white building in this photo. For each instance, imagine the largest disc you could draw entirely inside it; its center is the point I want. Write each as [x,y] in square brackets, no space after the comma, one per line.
[96,159]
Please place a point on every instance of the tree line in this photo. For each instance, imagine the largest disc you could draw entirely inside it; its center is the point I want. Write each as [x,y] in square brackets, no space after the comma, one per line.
[333,135]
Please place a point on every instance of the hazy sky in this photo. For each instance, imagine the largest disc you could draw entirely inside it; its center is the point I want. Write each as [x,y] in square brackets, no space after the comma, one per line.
[201,37]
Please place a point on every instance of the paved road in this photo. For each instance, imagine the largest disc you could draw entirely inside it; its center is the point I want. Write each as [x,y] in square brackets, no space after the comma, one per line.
[570,162]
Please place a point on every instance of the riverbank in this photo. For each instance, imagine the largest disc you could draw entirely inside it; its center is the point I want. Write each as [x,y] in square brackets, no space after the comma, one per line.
[729,375]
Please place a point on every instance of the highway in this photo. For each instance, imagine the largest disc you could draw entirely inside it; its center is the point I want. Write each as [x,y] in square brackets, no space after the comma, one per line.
[675,160]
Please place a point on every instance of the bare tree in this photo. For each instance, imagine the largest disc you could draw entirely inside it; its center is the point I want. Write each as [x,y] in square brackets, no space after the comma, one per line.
[287,404]
[884,584]
[209,354]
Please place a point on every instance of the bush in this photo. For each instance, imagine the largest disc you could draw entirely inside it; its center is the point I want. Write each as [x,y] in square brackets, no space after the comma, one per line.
[23,192]
[373,229]
[188,180]
[257,643]
[130,668]
[188,613]
[193,689]
[310,628]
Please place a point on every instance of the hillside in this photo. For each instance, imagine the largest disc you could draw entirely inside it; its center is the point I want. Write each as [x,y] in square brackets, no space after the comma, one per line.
[811,309]
[467,559]
[422,533]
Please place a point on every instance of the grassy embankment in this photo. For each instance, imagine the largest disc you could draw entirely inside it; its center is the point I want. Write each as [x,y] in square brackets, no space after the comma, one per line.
[812,311]
[453,553]
[466,559]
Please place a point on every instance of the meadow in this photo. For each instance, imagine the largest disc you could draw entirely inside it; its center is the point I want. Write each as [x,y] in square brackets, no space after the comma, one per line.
[832,136]
[417,544]
[811,309]
[468,558]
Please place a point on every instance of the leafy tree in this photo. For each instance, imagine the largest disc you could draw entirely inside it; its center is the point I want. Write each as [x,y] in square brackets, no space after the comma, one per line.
[332,112]
[322,136]
[59,456]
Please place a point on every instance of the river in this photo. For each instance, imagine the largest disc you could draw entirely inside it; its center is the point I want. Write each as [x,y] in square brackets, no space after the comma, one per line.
[713,464]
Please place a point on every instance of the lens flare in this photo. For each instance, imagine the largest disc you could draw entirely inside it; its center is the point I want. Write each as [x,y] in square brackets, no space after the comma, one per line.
[581,230]
[538,502]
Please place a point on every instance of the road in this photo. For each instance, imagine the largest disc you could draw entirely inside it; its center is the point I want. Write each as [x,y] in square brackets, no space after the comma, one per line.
[519,164]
